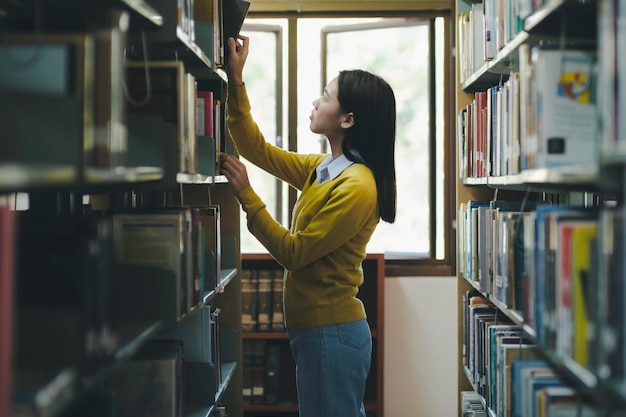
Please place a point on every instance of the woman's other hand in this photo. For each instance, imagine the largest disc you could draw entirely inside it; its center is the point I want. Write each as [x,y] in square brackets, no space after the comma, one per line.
[238,53]
[235,172]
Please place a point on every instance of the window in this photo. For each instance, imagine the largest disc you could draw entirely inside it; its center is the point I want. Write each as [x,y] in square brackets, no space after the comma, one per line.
[409,53]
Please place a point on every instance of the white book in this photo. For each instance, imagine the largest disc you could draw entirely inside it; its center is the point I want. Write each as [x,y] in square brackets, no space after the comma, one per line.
[565,109]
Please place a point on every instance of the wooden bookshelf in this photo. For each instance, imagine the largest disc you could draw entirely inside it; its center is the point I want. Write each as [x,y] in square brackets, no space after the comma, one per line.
[371,293]
[596,183]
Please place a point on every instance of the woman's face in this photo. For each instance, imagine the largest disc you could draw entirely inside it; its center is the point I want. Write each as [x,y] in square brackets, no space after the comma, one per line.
[326,116]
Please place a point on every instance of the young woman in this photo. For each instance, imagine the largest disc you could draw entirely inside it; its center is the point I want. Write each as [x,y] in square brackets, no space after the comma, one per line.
[343,197]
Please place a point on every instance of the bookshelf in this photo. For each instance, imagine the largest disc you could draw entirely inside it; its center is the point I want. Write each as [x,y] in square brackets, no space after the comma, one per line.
[556,307]
[282,399]
[119,240]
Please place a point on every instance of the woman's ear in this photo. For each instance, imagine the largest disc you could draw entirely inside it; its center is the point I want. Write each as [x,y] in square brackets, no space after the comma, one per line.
[349,121]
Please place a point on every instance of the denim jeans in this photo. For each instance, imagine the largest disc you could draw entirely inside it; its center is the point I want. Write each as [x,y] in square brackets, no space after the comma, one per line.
[332,364]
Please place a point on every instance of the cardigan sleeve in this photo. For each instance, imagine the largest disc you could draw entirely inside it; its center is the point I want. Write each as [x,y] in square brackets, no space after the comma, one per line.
[291,167]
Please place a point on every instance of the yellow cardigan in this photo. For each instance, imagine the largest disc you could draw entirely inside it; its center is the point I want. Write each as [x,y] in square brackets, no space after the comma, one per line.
[332,223]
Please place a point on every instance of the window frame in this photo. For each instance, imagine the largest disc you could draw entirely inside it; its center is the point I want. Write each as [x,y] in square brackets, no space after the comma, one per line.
[395,266]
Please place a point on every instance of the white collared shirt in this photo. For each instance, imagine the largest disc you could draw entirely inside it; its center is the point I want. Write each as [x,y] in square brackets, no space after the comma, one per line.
[330,168]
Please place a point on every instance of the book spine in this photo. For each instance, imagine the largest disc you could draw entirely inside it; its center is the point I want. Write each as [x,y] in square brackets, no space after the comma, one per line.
[7,279]
[264,294]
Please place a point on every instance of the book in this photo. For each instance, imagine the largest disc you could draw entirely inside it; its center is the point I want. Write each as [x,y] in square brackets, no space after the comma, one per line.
[216,351]
[110,133]
[53,90]
[271,389]
[57,287]
[158,238]
[278,318]
[564,107]
[511,349]
[151,382]
[258,371]
[583,274]
[246,386]
[195,334]
[234,13]
[204,111]
[516,381]
[208,153]
[608,358]
[210,217]
[249,300]
[207,19]
[7,279]
[165,91]
[494,332]
[264,300]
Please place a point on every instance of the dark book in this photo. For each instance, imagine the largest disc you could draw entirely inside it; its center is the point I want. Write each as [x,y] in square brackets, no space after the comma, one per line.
[211,224]
[195,333]
[216,357]
[248,300]
[246,389]
[110,139]
[234,13]
[264,295]
[271,390]
[150,384]
[159,238]
[278,322]
[69,282]
[258,371]
[165,91]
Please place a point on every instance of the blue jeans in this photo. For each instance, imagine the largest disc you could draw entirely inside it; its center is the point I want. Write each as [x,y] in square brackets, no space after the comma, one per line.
[332,364]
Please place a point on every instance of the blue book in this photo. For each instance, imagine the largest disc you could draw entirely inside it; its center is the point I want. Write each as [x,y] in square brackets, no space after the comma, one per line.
[516,383]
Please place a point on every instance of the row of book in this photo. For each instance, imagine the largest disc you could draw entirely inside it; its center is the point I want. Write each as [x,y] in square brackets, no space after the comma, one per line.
[489,26]
[208,23]
[170,257]
[171,95]
[262,300]
[561,268]
[556,106]
[542,116]
[153,382]
[262,372]
[80,112]
[485,29]
[80,285]
[509,372]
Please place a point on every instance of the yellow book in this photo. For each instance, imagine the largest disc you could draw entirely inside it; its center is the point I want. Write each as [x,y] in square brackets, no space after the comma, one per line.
[581,259]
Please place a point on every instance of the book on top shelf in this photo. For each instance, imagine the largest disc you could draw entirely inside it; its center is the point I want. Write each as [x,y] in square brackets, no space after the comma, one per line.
[234,14]
[167,91]
[563,99]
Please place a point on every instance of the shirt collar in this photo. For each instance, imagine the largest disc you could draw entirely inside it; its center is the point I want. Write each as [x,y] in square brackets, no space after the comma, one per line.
[334,167]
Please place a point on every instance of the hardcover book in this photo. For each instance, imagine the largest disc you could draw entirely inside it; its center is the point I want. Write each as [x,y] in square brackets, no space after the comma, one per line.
[7,278]
[150,383]
[234,14]
[159,239]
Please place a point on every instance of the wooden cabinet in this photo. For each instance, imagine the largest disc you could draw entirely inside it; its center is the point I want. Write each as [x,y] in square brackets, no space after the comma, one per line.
[263,395]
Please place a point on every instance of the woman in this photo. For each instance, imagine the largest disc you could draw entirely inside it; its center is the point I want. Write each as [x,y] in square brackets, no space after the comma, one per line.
[343,196]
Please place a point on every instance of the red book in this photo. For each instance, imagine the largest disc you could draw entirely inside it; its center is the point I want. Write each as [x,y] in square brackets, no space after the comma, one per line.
[7,241]
[207,114]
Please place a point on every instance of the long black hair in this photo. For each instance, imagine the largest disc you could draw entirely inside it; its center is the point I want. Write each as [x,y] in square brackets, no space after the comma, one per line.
[373,135]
